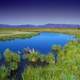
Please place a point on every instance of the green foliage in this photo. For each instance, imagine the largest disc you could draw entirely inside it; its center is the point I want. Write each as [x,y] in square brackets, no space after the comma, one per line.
[78,35]
[8,55]
[33,56]
[49,58]
[15,61]
[67,68]
[12,59]
[13,66]
[3,73]
[38,73]
[56,48]
[16,57]
[12,35]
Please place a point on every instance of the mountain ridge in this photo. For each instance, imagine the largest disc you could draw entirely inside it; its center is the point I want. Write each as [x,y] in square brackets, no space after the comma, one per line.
[41,26]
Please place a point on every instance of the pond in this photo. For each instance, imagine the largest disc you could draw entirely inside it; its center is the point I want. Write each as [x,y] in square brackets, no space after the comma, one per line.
[41,43]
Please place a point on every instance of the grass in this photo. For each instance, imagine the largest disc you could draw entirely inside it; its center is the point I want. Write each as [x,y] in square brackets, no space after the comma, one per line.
[12,33]
[8,35]
[64,30]
[78,35]
[67,67]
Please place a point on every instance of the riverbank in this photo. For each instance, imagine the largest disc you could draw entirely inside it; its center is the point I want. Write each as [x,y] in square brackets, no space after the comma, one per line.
[61,30]
[12,33]
[8,35]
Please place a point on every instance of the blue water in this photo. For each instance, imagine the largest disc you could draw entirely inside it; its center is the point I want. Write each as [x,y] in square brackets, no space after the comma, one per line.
[41,43]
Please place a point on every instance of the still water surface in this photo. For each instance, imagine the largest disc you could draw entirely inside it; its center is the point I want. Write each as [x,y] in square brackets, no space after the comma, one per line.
[42,42]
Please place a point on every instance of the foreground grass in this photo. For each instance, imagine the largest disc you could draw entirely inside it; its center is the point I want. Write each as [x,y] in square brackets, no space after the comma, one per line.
[66,68]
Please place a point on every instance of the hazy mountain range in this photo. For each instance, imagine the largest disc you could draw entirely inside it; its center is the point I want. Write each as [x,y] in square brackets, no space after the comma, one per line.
[40,26]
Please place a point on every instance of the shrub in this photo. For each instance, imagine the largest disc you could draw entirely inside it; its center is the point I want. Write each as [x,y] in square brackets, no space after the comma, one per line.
[3,73]
[8,55]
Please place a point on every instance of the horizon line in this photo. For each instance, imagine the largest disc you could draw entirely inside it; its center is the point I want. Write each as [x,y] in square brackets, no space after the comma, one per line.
[40,24]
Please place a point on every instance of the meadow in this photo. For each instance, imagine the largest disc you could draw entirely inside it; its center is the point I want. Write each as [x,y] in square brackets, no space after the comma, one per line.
[12,33]
[62,30]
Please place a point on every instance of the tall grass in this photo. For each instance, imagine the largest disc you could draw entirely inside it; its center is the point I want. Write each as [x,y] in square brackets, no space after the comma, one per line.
[67,67]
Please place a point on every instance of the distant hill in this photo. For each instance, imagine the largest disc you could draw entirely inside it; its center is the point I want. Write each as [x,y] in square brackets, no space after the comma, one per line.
[41,26]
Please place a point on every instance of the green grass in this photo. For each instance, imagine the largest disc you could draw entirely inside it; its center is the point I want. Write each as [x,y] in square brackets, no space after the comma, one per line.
[12,33]
[67,67]
[78,35]
[61,30]
[10,36]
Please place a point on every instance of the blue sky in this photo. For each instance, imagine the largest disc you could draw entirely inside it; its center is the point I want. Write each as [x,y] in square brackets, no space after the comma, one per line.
[39,12]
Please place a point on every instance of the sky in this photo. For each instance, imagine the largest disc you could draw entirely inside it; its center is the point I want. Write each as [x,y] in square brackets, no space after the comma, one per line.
[39,12]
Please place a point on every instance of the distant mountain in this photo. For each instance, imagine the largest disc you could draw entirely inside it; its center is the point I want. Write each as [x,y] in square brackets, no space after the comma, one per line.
[41,26]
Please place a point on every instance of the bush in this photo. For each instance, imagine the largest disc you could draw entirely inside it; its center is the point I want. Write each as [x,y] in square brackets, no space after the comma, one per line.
[8,55]
[33,56]
[3,73]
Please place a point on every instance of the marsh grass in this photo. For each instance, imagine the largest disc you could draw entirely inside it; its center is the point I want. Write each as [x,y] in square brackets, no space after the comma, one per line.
[14,36]
[67,66]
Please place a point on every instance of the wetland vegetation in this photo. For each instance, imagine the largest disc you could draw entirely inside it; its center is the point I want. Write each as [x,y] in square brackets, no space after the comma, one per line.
[12,33]
[43,67]
[62,63]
